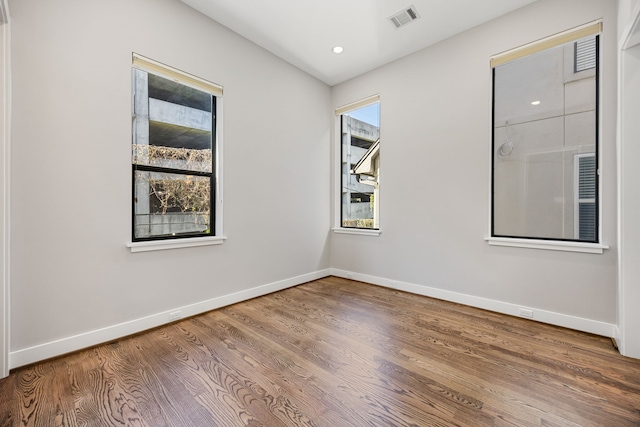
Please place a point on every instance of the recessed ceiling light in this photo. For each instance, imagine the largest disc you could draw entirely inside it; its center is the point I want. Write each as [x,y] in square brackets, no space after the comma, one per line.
[535,103]
[338,49]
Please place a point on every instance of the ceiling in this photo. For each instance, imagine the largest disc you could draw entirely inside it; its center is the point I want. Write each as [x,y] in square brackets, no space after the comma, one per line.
[303,32]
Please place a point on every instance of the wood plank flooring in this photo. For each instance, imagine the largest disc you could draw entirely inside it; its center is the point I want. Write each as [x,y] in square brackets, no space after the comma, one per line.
[336,353]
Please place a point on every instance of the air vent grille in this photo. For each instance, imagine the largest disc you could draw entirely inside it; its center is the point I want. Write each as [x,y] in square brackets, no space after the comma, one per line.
[404,17]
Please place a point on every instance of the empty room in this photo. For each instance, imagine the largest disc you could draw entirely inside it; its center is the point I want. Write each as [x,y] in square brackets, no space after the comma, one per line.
[319,213]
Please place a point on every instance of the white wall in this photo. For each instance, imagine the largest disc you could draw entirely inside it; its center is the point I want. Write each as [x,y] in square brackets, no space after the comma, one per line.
[5,144]
[436,136]
[72,274]
[629,133]
[626,8]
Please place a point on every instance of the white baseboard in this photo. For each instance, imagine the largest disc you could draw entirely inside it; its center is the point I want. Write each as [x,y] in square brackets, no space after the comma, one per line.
[88,339]
[544,316]
[617,339]
[66,345]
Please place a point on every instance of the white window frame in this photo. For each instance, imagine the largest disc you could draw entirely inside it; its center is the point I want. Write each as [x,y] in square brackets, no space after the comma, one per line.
[218,238]
[337,162]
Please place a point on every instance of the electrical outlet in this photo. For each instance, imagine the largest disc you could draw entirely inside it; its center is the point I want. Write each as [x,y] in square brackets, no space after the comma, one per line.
[525,312]
[175,315]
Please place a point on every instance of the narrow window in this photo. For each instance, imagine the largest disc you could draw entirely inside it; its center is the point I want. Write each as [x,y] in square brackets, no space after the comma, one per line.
[174,132]
[545,141]
[360,165]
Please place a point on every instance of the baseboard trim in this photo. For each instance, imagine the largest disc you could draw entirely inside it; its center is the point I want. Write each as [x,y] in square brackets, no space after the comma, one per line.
[544,316]
[617,339]
[74,343]
[88,339]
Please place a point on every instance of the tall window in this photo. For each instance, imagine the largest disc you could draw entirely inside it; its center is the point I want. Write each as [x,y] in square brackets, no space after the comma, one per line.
[545,139]
[174,132]
[360,164]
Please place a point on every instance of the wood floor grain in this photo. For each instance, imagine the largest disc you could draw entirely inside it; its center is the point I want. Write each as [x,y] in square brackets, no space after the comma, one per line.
[334,353]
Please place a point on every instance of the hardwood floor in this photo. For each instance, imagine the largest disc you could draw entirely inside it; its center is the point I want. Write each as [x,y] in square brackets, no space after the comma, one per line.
[334,352]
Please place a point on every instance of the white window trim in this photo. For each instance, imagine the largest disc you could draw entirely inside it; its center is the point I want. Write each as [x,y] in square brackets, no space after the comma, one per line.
[555,40]
[357,231]
[337,220]
[187,79]
[219,237]
[551,245]
[158,245]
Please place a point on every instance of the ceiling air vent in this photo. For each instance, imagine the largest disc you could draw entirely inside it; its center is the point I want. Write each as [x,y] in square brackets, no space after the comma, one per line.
[404,17]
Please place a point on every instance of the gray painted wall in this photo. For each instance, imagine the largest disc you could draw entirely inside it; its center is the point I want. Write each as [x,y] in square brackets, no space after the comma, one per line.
[435,133]
[71,195]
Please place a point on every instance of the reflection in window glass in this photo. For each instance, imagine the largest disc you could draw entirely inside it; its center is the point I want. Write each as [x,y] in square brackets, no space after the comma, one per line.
[545,144]
[360,165]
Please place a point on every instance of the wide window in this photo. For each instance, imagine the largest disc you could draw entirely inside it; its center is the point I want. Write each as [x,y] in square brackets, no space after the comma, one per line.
[174,135]
[545,139]
[360,164]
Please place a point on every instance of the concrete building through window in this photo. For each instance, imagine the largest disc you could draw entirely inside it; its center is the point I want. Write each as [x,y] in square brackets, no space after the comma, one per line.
[360,169]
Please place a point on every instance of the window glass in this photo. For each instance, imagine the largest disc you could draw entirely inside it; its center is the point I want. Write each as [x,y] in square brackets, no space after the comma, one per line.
[171,204]
[174,131]
[360,167]
[545,119]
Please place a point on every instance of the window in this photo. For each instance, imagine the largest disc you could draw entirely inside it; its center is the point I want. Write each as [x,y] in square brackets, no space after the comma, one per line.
[545,139]
[360,164]
[174,137]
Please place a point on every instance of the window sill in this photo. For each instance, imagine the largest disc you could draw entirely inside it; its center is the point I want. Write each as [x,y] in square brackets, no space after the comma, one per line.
[357,231]
[551,245]
[159,245]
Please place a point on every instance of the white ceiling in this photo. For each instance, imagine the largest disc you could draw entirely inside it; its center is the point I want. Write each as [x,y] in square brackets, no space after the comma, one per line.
[303,32]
